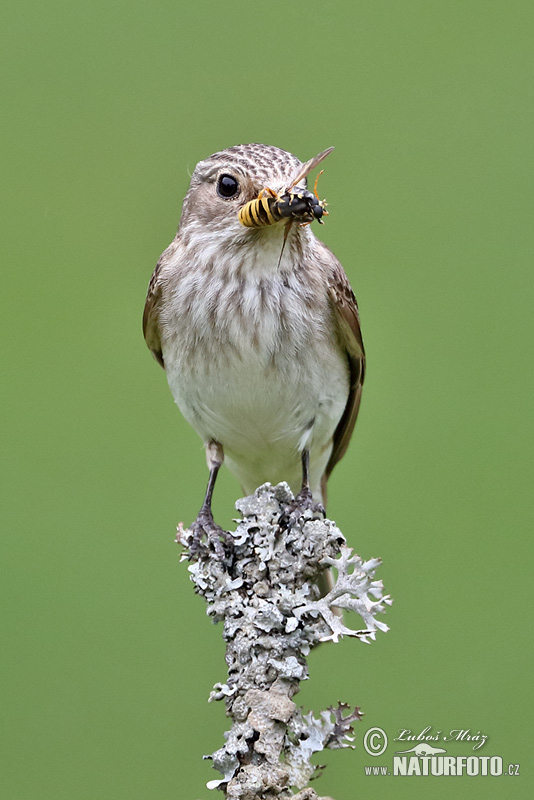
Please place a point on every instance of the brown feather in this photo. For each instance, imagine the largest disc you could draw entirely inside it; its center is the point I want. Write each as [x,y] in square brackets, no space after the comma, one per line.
[348,320]
[151,315]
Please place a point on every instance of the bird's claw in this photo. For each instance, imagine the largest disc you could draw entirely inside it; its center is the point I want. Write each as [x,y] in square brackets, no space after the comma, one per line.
[205,528]
[298,509]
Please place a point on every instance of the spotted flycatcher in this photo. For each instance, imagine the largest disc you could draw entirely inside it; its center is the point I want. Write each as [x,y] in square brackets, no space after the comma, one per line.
[256,325]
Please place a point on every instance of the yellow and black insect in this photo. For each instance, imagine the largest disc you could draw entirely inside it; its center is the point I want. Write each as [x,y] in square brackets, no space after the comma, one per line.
[302,206]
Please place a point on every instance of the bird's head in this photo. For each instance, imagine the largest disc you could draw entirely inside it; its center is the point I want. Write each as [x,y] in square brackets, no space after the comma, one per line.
[223,187]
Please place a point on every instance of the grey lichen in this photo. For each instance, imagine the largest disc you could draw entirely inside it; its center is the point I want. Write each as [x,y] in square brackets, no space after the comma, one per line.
[265,593]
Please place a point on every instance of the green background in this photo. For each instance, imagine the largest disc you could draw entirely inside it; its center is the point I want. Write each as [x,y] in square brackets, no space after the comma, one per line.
[107,654]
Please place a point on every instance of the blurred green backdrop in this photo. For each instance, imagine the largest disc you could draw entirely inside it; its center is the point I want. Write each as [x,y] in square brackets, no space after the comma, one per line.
[107,655]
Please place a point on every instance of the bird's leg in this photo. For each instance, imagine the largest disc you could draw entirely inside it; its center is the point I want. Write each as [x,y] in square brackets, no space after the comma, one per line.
[304,499]
[204,525]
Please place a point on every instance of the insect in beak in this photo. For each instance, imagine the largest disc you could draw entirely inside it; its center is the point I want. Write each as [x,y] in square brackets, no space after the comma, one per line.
[299,206]
[302,206]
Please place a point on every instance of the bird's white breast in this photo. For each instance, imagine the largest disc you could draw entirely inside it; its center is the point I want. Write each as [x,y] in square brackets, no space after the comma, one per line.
[252,362]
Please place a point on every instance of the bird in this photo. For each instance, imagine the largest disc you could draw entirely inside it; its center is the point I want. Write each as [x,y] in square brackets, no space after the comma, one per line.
[256,325]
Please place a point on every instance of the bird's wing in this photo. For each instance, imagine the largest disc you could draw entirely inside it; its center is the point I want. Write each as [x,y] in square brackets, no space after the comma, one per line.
[151,314]
[348,321]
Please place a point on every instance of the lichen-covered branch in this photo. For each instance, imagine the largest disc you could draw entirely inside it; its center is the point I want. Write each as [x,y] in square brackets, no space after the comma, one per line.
[265,594]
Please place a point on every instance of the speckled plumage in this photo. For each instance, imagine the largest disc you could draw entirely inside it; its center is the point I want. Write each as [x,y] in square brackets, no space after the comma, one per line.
[263,354]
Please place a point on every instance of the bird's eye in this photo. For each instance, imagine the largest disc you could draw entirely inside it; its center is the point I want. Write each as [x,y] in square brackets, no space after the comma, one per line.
[227,187]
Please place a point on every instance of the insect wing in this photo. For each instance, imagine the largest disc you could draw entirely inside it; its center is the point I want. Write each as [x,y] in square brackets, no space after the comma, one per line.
[306,168]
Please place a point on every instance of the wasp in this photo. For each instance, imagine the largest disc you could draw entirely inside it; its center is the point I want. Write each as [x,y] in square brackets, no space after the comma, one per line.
[302,206]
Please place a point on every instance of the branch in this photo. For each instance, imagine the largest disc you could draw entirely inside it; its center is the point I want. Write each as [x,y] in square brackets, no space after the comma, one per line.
[266,596]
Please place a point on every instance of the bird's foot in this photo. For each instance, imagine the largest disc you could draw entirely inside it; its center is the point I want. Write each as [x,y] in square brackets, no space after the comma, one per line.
[302,506]
[208,536]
